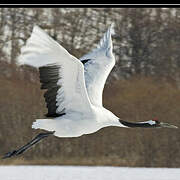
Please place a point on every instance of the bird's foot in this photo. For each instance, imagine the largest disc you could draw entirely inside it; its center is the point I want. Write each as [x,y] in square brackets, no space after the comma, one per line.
[9,154]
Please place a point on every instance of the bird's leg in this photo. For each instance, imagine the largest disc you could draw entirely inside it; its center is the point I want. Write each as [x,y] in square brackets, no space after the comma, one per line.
[28,145]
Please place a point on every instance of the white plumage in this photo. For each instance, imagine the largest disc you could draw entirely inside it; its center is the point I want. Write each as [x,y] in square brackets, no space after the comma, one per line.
[98,68]
[74,87]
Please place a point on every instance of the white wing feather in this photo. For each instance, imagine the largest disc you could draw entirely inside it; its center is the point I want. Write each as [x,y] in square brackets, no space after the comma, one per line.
[101,61]
[41,50]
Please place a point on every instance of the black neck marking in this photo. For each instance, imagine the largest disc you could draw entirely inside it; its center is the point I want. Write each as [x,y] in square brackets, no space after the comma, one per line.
[135,125]
[84,61]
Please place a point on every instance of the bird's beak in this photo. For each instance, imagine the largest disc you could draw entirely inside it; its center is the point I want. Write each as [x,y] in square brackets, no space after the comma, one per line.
[166,125]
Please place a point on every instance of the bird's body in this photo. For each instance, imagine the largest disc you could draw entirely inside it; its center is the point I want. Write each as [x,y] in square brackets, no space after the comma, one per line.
[76,124]
[74,88]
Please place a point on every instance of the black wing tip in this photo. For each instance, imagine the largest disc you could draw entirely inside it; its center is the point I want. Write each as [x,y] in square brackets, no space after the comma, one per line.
[84,61]
[54,115]
[49,76]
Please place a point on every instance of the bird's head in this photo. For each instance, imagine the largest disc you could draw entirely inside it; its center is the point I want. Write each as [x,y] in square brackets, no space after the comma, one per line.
[157,123]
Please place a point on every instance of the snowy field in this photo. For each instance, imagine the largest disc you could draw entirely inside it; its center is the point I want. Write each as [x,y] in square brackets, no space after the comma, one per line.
[86,173]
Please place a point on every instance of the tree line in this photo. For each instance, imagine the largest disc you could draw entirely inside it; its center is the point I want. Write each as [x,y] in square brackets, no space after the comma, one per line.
[146,40]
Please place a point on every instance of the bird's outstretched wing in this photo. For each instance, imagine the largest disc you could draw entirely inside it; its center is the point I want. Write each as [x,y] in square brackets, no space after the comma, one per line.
[60,73]
[97,66]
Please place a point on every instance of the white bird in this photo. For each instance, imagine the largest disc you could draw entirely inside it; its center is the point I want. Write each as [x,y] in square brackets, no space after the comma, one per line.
[74,88]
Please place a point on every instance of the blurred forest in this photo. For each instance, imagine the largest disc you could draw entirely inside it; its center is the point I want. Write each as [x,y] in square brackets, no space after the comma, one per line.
[144,83]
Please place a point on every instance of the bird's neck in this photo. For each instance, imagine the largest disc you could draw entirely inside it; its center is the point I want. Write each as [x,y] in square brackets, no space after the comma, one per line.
[147,124]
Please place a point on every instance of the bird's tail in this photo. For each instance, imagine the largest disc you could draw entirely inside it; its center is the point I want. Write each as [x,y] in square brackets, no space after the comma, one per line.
[46,124]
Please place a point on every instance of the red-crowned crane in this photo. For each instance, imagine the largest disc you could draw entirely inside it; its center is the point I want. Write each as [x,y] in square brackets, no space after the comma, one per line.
[74,88]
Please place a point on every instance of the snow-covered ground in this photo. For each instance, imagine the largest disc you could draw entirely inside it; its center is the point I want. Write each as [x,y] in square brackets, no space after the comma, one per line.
[86,173]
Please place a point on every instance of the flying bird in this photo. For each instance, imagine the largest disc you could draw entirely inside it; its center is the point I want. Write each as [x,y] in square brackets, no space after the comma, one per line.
[74,88]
